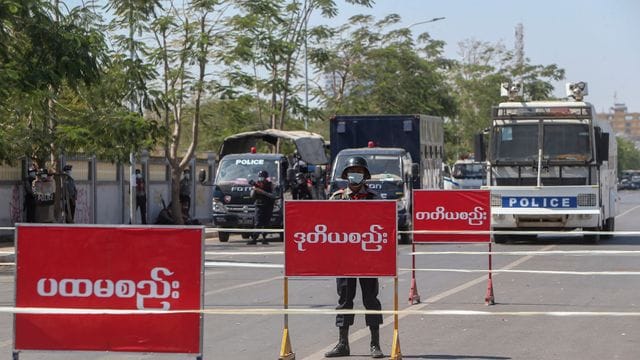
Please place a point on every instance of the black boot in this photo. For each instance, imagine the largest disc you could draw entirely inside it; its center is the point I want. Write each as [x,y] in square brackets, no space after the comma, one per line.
[342,348]
[375,343]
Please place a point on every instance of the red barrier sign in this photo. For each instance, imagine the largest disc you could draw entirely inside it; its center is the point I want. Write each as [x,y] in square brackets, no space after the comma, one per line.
[340,238]
[122,268]
[452,210]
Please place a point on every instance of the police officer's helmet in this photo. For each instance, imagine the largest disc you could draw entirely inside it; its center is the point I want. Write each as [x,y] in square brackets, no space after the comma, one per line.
[43,172]
[356,161]
[263,174]
[67,167]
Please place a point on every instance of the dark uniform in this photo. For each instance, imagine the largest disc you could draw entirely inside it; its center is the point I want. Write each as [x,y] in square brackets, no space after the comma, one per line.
[346,287]
[29,198]
[264,201]
[141,196]
[71,195]
[185,188]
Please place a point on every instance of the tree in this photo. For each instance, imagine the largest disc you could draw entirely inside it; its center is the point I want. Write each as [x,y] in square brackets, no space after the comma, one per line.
[628,155]
[476,78]
[270,38]
[46,51]
[172,75]
[375,70]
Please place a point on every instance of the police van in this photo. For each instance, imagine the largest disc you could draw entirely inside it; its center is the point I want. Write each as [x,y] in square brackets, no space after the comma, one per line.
[232,204]
[465,174]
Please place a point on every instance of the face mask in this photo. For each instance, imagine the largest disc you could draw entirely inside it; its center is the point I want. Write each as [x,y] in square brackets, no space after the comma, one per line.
[68,172]
[260,179]
[32,173]
[43,177]
[186,176]
[138,176]
[355,178]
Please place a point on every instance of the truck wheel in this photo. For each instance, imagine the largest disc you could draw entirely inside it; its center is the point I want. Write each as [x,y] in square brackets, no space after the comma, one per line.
[500,239]
[246,235]
[223,236]
[609,225]
[592,238]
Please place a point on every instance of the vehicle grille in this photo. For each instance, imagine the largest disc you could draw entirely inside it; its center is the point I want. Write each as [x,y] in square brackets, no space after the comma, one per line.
[586,199]
[249,208]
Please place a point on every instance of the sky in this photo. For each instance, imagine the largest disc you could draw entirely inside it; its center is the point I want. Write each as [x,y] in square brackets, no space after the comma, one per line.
[596,41]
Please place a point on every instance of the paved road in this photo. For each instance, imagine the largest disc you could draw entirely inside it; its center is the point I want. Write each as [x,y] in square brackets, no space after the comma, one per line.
[255,281]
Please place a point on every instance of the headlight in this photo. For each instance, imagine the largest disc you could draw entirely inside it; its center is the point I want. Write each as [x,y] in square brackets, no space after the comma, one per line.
[218,206]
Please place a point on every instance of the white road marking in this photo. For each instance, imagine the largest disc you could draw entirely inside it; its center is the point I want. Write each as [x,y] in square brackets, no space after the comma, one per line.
[362,333]
[628,211]
[240,286]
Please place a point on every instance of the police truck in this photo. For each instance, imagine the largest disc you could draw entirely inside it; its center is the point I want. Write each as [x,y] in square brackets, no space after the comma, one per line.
[552,166]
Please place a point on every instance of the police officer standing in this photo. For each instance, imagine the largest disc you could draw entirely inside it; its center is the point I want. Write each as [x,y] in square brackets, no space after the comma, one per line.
[356,172]
[264,200]
[29,199]
[72,195]
[185,189]
[141,196]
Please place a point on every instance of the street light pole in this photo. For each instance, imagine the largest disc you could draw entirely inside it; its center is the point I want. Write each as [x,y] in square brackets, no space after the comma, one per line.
[426,21]
[306,76]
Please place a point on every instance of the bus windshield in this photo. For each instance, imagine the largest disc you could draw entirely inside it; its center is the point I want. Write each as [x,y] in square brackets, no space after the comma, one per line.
[240,171]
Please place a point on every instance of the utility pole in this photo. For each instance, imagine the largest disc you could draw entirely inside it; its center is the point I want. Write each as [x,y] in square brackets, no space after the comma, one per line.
[519,47]
[132,156]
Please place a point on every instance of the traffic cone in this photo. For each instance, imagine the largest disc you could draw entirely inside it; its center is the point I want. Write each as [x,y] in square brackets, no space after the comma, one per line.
[489,298]
[414,297]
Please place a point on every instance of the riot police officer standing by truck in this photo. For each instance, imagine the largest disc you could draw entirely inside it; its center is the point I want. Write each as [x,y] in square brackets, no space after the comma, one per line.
[264,200]
[356,172]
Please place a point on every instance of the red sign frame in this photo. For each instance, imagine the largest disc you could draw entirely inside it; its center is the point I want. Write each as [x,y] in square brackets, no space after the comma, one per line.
[110,267]
[340,238]
[452,210]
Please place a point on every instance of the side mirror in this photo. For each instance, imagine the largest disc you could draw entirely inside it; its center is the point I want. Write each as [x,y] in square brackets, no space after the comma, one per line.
[415,169]
[478,148]
[602,147]
[202,176]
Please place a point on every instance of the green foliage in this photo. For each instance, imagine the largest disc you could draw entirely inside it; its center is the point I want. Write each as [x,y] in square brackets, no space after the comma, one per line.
[371,70]
[628,155]
[476,79]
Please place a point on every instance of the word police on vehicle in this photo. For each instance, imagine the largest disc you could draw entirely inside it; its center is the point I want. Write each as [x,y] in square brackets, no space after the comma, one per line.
[249,161]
